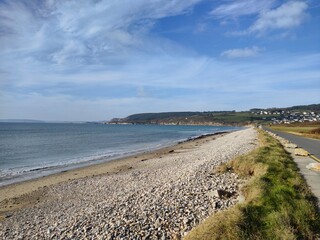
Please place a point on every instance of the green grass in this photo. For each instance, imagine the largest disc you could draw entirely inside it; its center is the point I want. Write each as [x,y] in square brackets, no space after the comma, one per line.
[278,205]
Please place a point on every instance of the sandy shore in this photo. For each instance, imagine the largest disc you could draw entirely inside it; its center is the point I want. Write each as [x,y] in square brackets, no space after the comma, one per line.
[156,195]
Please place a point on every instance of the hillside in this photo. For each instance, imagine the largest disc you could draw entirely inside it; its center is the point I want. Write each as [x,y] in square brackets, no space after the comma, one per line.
[256,115]
[301,108]
[20,121]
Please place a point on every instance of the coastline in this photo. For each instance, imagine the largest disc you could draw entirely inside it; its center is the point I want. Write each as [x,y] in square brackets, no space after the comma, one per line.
[22,191]
[24,159]
[163,194]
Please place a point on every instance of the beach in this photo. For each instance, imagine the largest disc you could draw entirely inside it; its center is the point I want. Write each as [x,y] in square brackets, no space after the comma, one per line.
[155,195]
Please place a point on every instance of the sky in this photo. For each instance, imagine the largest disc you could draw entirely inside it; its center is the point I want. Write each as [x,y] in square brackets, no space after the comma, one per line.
[89,60]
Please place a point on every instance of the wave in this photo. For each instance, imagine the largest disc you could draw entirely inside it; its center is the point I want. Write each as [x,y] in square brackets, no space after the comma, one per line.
[21,173]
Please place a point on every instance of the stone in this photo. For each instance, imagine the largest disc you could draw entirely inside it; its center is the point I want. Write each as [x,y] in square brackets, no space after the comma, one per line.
[220,193]
[186,221]
[290,145]
[241,199]
[213,193]
[159,200]
[300,152]
[314,166]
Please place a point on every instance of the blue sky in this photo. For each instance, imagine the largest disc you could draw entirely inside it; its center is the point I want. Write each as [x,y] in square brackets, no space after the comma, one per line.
[99,59]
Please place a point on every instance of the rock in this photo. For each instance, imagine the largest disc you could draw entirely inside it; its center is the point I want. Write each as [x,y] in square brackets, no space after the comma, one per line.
[290,145]
[300,152]
[220,193]
[241,199]
[186,221]
[213,193]
[217,205]
[159,200]
[314,166]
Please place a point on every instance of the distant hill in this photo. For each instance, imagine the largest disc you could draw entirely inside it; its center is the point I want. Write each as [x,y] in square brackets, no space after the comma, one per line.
[301,108]
[213,117]
[21,121]
[39,121]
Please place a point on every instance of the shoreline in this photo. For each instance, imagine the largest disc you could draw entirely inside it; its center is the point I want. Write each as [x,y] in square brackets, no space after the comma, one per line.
[23,193]
[158,195]
[47,170]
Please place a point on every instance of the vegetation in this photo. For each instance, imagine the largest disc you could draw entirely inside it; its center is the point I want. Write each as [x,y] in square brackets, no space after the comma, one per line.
[278,204]
[306,129]
[301,108]
[211,117]
[205,118]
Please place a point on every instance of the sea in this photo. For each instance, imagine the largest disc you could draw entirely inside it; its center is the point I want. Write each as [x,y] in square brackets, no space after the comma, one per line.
[31,150]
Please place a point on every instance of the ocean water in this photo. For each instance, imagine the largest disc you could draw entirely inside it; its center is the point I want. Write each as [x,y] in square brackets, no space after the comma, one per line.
[30,150]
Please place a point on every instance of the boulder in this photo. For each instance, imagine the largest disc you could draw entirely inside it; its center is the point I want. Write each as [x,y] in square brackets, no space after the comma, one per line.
[300,152]
[290,145]
[314,166]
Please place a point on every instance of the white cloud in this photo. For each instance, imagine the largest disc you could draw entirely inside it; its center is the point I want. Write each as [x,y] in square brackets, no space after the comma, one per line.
[57,30]
[242,52]
[60,42]
[106,45]
[269,15]
[210,85]
[239,8]
[288,15]
[18,24]
[69,108]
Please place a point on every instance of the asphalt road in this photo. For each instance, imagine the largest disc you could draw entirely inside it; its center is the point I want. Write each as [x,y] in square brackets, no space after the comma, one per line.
[311,145]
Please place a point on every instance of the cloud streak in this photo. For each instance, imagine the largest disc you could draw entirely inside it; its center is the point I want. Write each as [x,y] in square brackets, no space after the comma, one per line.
[270,16]
[92,60]
[213,85]
[241,8]
[65,30]
[52,38]
[242,52]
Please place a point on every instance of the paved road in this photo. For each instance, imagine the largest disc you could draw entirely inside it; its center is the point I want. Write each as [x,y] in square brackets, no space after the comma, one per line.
[311,145]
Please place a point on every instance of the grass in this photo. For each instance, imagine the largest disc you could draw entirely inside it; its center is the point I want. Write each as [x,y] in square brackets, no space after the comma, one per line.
[278,204]
[311,130]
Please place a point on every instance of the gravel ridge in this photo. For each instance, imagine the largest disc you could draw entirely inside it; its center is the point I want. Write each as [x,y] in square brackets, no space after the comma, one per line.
[160,198]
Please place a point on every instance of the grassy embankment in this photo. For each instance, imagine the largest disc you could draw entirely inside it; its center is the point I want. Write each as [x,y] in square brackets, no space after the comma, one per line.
[307,129]
[278,204]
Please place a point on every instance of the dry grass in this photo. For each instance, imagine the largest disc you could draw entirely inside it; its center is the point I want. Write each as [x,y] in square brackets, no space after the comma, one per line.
[278,204]
[224,225]
[311,130]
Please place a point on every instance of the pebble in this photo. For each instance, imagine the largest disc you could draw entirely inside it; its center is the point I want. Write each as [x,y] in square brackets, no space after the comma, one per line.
[163,199]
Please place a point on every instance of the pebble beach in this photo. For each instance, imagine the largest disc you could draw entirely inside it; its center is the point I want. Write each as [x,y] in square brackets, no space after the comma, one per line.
[161,196]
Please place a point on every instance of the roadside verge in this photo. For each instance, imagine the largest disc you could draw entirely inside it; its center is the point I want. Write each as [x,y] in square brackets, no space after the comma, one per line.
[307,163]
[278,203]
